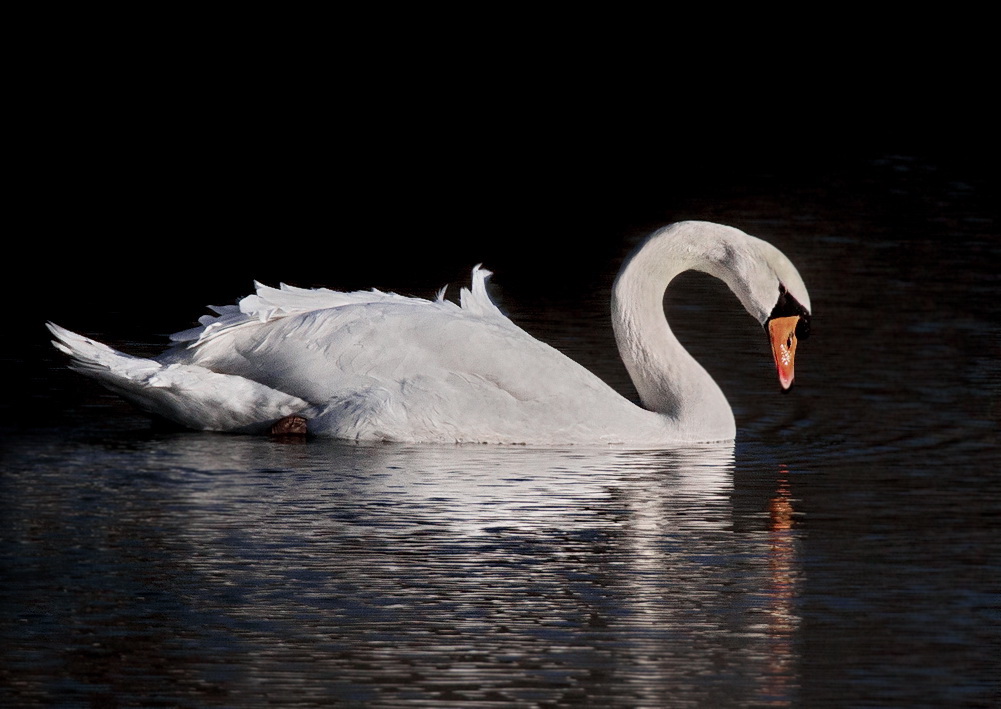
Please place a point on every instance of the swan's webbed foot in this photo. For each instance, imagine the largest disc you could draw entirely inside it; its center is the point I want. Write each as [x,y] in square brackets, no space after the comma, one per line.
[293,426]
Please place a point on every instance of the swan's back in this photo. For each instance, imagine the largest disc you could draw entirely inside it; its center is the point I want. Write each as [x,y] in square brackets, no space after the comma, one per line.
[388,367]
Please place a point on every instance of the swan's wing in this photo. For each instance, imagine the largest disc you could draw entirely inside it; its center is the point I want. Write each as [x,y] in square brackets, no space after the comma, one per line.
[318,354]
[419,371]
[376,365]
[269,303]
[318,343]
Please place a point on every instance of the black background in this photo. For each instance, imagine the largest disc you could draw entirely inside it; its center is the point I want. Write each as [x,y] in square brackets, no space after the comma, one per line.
[164,163]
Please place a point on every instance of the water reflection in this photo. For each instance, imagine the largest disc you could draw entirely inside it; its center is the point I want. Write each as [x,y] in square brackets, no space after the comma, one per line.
[201,571]
[385,574]
[785,578]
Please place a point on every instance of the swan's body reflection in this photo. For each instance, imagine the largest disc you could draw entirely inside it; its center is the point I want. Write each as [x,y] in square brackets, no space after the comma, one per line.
[478,573]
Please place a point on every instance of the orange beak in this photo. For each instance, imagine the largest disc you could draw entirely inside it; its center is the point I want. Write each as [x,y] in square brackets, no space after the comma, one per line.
[782,332]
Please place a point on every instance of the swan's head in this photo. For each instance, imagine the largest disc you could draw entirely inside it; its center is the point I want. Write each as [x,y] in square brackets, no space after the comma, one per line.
[762,277]
[776,295]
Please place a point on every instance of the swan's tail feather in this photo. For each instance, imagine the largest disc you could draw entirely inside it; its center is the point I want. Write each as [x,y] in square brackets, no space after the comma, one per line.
[98,360]
[192,396]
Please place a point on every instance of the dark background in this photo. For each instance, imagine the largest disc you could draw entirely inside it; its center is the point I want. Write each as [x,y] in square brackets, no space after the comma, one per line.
[164,163]
[160,163]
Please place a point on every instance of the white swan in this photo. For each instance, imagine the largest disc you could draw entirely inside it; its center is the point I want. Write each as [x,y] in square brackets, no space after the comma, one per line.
[378,366]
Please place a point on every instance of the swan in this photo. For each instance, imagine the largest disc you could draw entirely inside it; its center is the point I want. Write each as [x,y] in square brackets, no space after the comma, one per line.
[375,366]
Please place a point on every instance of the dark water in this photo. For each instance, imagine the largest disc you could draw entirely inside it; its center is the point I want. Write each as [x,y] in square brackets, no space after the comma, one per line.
[845,552]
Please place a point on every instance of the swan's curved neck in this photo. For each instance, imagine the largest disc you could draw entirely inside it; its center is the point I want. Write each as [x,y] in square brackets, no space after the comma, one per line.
[667,378]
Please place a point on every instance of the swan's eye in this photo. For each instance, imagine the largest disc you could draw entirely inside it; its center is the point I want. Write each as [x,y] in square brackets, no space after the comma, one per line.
[786,306]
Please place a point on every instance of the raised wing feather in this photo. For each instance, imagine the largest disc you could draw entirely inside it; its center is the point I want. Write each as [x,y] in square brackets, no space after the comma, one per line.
[269,303]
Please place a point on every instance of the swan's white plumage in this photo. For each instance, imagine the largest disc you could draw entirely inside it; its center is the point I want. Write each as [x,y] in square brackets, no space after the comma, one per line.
[380,366]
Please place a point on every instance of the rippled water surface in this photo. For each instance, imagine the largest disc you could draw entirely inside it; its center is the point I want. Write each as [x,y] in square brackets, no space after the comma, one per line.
[844,552]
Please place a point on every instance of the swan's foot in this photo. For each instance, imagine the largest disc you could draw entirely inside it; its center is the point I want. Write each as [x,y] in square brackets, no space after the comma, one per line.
[293,426]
